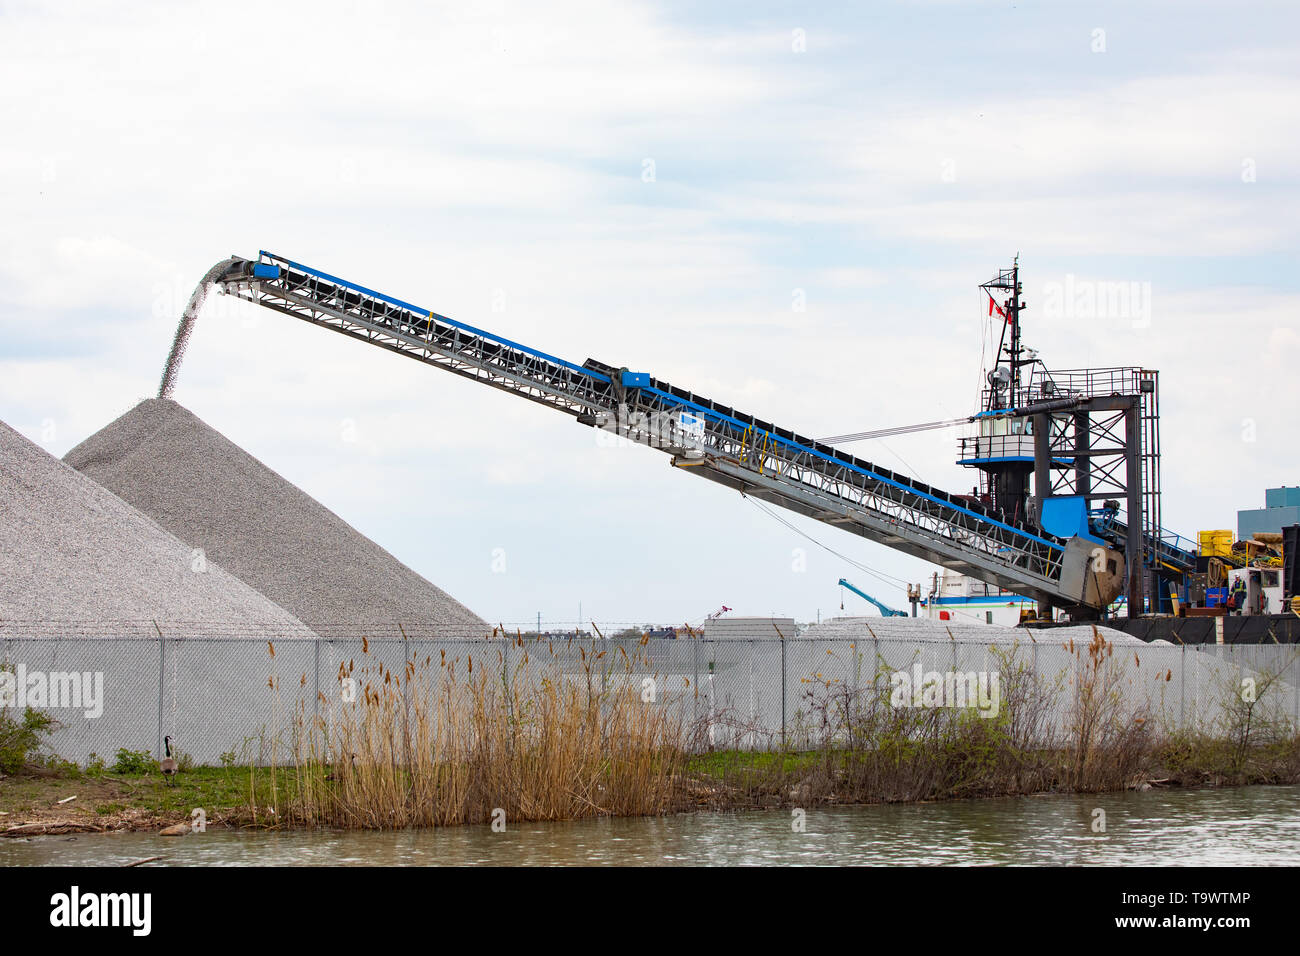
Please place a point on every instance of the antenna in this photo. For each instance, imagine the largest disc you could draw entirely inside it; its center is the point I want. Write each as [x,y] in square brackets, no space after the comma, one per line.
[1008,280]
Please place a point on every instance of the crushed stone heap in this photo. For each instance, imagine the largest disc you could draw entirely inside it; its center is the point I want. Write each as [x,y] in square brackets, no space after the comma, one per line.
[76,560]
[922,630]
[211,494]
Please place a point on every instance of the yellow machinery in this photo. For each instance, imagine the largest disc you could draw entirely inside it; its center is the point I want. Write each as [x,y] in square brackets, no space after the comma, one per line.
[1215,544]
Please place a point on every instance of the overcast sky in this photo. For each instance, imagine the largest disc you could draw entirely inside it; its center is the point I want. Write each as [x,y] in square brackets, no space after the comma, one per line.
[658,187]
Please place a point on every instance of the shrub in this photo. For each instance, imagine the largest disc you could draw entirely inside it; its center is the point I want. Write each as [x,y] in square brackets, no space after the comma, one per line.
[64,768]
[134,762]
[20,738]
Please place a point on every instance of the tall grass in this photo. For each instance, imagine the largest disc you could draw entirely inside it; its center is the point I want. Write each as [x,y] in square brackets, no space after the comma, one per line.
[514,730]
[1089,727]
[863,748]
[1110,725]
[451,740]
[1253,736]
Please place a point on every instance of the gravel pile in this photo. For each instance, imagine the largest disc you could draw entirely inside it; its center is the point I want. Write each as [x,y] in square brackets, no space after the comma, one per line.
[920,630]
[211,494]
[77,560]
[749,628]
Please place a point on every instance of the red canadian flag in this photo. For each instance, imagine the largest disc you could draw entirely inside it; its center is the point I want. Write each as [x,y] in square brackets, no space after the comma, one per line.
[993,305]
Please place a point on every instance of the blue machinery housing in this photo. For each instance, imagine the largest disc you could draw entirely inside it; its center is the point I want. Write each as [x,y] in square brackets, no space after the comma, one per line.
[709,439]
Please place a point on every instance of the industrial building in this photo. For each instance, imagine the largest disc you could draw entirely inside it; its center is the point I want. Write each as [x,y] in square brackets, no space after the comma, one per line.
[1281,508]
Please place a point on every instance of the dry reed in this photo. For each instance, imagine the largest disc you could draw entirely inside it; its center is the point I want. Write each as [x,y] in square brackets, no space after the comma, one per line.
[528,730]
[465,739]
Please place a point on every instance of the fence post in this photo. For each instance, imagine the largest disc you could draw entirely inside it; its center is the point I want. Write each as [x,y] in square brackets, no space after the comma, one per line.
[406,696]
[695,665]
[162,675]
[875,664]
[855,702]
[1182,690]
[507,640]
[783,690]
[334,698]
[315,678]
[753,700]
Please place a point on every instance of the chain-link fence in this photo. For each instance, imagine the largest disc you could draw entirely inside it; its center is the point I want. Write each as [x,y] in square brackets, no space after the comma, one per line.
[245,696]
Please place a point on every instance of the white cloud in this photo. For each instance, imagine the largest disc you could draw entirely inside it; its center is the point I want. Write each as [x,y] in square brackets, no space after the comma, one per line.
[447,156]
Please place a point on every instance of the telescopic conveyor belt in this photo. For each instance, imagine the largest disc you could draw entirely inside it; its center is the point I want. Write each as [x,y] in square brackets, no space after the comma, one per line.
[708,439]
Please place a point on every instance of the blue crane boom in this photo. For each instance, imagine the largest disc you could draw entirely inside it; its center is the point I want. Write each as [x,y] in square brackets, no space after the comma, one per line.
[885,611]
[709,439]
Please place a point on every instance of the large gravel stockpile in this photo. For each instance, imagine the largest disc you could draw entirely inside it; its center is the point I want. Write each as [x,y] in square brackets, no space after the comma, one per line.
[76,559]
[213,495]
[749,628]
[920,630]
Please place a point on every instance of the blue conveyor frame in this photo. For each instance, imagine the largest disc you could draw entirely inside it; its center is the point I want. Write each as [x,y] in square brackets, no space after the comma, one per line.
[702,436]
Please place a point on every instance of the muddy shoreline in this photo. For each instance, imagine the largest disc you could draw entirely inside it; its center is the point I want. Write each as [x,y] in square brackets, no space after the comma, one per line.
[99,813]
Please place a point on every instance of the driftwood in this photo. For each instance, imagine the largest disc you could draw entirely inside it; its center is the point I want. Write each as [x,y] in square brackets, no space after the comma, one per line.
[53,828]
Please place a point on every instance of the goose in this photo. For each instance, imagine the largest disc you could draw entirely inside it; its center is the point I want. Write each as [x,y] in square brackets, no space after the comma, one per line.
[332,775]
[168,763]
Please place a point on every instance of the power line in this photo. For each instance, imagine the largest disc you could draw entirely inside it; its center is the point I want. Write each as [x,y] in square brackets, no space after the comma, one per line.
[910,470]
[896,430]
[880,576]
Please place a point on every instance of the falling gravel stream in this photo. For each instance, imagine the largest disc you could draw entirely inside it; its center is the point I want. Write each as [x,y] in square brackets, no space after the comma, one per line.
[186,325]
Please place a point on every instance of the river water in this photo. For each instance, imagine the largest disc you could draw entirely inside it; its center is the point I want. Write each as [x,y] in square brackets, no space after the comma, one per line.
[1247,826]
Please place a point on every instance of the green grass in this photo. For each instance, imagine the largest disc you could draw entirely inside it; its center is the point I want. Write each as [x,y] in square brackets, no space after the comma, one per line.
[723,762]
[241,796]
[226,791]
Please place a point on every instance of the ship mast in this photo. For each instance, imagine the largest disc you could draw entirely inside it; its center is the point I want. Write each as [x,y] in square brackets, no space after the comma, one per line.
[1007,280]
